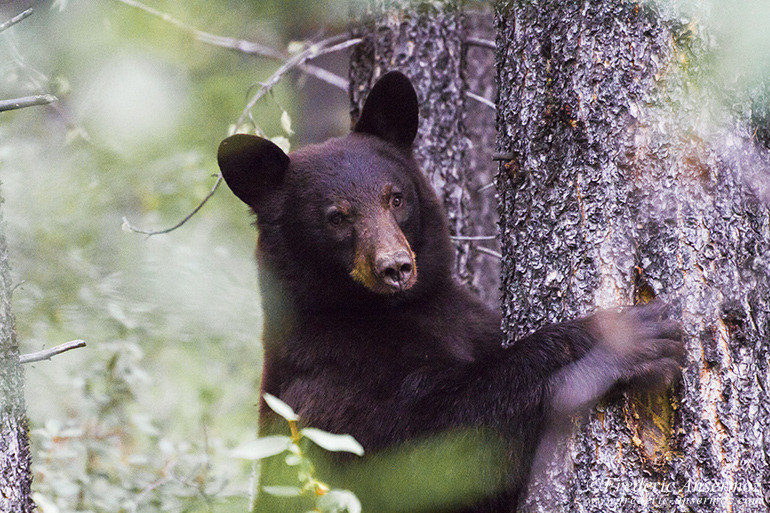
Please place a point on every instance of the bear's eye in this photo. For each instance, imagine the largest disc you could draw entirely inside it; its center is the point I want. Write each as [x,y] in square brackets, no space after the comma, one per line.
[396,200]
[335,218]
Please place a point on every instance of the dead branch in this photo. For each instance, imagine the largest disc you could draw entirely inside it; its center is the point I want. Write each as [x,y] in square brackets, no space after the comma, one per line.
[332,44]
[487,251]
[482,43]
[27,101]
[240,45]
[298,61]
[129,227]
[473,237]
[481,100]
[16,19]
[47,354]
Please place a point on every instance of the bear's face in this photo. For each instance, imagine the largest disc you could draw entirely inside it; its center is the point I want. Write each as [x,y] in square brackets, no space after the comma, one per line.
[352,212]
[354,205]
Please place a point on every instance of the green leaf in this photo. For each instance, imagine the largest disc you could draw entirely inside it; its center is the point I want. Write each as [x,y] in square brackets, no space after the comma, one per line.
[293,460]
[339,501]
[282,491]
[262,448]
[295,47]
[282,143]
[332,442]
[281,408]
[286,123]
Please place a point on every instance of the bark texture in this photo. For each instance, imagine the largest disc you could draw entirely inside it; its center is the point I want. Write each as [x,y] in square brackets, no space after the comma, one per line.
[15,476]
[425,40]
[613,195]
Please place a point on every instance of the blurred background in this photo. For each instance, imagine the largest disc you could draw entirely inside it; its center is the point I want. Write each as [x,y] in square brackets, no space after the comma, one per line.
[141,418]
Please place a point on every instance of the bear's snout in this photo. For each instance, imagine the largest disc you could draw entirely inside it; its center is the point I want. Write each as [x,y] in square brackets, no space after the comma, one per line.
[384,262]
[396,270]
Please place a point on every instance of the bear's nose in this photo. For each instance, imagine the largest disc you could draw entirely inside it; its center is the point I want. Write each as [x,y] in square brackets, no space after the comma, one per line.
[396,270]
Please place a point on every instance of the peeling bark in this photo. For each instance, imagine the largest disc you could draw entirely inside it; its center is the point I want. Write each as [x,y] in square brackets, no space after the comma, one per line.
[613,195]
[15,476]
[425,40]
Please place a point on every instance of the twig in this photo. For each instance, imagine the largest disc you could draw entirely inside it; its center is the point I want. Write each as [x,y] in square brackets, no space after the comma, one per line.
[148,490]
[505,155]
[473,237]
[487,251]
[337,48]
[47,354]
[481,99]
[483,43]
[27,101]
[129,227]
[485,187]
[16,19]
[333,43]
[37,80]
[480,249]
[298,61]
[241,45]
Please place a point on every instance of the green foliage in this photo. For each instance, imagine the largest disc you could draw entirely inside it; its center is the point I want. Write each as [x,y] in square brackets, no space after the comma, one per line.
[332,442]
[326,500]
[145,417]
[281,408]
[92,463]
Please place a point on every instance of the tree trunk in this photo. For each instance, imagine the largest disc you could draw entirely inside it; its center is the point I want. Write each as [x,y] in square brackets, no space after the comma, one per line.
[425,40]
[613,194]
[15,476]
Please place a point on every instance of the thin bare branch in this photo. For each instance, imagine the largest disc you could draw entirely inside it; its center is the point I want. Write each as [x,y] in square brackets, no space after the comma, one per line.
[297,61]
[506,155]
[129,227]
[487,251]
[333,43]
[27,101]
[483,43]
[241,45]
[473,237]
[336,48]
[486,187]
[474,247]
[47,354]
[16,19]
[481,99]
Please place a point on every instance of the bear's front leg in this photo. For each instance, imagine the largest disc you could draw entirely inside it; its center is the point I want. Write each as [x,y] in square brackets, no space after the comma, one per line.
[635,348]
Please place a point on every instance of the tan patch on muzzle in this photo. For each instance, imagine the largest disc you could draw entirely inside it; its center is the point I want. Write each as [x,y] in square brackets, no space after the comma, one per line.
[384,261]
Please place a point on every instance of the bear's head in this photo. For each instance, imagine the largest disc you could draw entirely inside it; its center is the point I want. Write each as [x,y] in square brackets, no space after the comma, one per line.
[350,220]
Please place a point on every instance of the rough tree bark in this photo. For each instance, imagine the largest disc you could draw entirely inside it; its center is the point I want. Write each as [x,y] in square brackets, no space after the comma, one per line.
[15,475]
[425,40]
[613,194]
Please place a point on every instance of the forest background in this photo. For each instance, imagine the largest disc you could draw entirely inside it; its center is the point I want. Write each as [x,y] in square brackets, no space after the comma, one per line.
[143,417]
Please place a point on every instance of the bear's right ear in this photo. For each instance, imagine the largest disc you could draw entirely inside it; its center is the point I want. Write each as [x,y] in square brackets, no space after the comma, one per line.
[251,166]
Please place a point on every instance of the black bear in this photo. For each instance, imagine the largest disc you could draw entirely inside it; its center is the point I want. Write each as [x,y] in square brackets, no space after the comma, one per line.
[366,333]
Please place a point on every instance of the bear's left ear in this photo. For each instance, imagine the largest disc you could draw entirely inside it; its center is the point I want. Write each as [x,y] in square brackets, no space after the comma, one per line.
[391,110]
[251,166]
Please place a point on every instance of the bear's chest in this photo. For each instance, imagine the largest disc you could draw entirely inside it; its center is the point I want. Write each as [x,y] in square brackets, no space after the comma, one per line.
[342,377]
